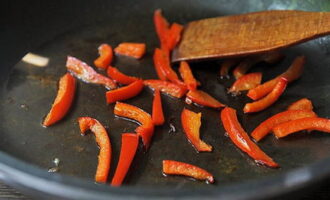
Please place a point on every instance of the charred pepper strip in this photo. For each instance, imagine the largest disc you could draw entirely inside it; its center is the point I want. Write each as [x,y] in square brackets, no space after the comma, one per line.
[157,109]
[119,77]
[86,73]
[63,100]
[105,58]
[266,126]
[167,87]
[172,167]
[135,50]
[129,145]
[241,139]
[191,123]
[302,104]
[203,99]
[125,92]
[187,76]
[267,100]
[103,141]
[309,123]
[246,82]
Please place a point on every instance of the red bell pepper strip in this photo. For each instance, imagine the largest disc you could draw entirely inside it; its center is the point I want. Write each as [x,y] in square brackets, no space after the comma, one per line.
[135,50]
[119,77]
[162,28]
[157,109]
[309,123]
[174,35]
[302,104]
[63,100]
[241,139]
[266,126]
[167,87]
[267,100]
[187,76]
[246,82]
[291,74]
[180,168]
[158,65]
[226,65]
[146,128]
[103,141]
[191,123]
[203,99]
[125,92]
[86,73]
[129,145]
[105,58]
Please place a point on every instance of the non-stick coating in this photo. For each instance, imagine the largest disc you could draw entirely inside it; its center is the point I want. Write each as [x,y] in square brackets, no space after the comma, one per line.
[29,91]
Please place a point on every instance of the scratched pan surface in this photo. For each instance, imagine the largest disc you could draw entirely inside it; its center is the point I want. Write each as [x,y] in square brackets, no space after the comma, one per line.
[28,92]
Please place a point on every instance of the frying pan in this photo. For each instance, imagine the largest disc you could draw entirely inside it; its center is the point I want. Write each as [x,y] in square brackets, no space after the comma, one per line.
[57,29]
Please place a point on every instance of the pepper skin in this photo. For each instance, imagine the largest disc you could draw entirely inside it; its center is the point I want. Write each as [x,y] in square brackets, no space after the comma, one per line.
[157,109]
[203,99]
[167,87]
[105,58]
[125,92]
[302,104]
[187,76]
[119,77]
[135,50]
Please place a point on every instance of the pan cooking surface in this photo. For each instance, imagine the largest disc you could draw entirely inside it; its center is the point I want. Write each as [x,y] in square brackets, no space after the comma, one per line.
[30,91]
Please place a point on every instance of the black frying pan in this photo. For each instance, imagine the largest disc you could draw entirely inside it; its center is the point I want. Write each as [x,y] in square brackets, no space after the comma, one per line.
[58,29]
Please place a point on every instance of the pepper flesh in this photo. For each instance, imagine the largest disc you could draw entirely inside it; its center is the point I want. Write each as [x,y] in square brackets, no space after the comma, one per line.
[119,77]
[129,145]
[167,87]
[309,123]
[180,168]
[187,76]
[63,100]
[246,82]
[203,99]
[191,123]
[103,141]
[157,109]
[125,92]
[174,35]
[241,139]
[146,128]
[162,28]
[86,73]
[226,65]
[135,50]
[302,104]
[267,100]
[266,126]
[291,74]
[105,58]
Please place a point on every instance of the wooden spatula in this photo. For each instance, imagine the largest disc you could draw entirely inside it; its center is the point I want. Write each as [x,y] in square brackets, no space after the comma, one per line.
[250,33]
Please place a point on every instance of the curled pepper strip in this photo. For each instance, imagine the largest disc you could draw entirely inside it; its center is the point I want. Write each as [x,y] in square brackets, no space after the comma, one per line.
[203,99]
[291,74]
[191,123]
[119,77]
[174,35]
[63,100]
[309,123]
[146,128]
[180,168]
[226,65]
[302,104]
[129,145]
[241,139]
[86,73]
[266,126]
[125,92]
[157,109]
[187,76]
[103,141]
[246,82]
[135,50]
[267,100]
[105,58]
[167,87]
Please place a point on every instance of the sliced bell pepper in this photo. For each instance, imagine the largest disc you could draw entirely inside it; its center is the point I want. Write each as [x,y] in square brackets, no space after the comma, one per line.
[146,128]
[125,92]
[291,74]
[180,168]
[266,126]
[135,50]
[226,65]
[267,100]
[191,123]
[167,87]
[103,141]
[63,100]
[246,82]
[302,104]
[174,35]
[129,145]
[158,65]
[203,99]
[241,139]
[86,73]
[119,77]
[309,123]
[105,58]
[187,76]
[162,28]
[157,109]
[272,57]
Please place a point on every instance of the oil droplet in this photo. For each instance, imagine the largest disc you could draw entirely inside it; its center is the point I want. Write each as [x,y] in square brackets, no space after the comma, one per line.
[53,170]
[188,101]
[172,128]
[56,161]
